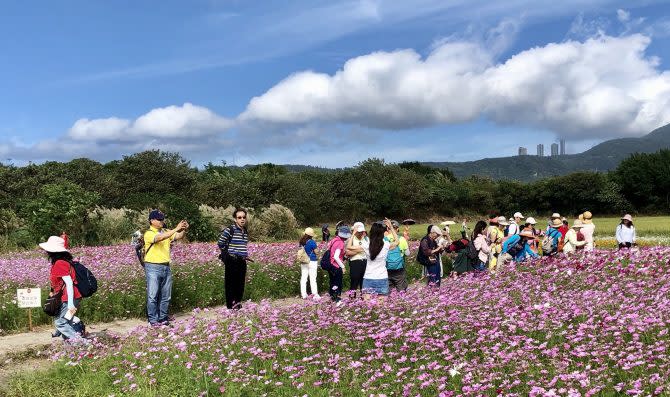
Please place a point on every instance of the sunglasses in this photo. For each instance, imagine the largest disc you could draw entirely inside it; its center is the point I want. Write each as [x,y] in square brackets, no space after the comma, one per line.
[241,217]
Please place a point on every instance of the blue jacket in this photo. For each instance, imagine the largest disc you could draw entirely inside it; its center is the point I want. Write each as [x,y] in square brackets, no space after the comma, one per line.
[523,253]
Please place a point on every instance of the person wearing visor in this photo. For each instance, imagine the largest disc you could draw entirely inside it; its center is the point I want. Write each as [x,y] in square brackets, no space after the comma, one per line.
[157,242]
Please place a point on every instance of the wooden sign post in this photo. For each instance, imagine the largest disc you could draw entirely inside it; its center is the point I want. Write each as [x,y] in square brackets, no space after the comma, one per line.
[26,298]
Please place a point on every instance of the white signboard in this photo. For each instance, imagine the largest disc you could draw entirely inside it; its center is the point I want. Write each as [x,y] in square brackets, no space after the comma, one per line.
[29,297]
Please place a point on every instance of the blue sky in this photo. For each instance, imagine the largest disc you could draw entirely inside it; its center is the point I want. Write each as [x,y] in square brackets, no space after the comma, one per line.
[328,83]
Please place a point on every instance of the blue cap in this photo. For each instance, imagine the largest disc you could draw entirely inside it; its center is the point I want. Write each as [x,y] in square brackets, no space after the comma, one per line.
[156,214]
[344,231]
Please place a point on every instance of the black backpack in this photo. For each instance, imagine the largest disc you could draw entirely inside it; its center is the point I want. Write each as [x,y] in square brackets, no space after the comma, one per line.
[325,258]
[471,252]
[87,284]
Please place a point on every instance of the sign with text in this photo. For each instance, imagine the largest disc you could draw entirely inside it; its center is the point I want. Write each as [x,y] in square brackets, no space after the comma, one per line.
[29,297]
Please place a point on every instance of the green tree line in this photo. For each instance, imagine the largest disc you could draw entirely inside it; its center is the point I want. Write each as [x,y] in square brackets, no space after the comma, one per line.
[42,199]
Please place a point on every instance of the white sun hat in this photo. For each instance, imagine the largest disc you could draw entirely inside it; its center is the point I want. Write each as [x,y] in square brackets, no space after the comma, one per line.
[54,244]
[531,220]
[518,215]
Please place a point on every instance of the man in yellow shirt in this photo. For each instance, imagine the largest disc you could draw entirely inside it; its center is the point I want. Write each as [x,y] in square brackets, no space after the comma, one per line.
[157,242]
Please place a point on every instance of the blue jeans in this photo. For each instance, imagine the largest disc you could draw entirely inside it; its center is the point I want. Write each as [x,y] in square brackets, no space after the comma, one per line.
[433,272]
[376,287]
[481,266]
[65,327]
[159,291]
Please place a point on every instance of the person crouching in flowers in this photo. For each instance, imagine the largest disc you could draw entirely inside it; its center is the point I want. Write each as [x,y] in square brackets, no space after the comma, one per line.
[63,277]
[376,279]
[571,241]
[482,245]
[530,226]
[516,248]
[428,255]
[308,269]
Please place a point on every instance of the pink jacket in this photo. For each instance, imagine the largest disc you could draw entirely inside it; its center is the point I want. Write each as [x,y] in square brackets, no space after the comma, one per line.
[483,248]
[335,244]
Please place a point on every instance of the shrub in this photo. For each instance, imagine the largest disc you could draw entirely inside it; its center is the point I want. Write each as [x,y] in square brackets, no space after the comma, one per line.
[9,221]
[218,217]
[279,223]
[59,207]
[109,225]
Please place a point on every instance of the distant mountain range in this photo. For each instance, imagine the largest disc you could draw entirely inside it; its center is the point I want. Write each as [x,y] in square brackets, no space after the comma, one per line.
[602,157]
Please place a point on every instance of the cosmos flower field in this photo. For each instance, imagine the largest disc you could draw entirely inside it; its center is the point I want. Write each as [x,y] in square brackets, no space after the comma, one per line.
[197,277]
[593,325]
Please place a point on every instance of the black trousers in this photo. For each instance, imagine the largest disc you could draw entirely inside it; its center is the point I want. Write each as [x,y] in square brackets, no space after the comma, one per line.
[356,272]
[235,269]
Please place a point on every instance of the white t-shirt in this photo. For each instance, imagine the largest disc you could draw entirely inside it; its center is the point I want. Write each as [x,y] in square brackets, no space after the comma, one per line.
[513,229]
[359,243]
[376,269]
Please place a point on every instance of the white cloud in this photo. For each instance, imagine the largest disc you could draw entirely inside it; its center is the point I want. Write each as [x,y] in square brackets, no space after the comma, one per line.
[622,15]
[171,122]
[601,87]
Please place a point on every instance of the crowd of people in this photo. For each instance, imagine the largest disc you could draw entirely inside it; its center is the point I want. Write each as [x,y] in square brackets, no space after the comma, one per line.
[376,259]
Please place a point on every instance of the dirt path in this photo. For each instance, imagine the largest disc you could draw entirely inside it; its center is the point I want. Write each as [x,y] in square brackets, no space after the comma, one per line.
[27,351]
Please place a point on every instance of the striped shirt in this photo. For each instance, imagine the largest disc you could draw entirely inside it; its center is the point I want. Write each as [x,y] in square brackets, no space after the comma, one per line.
[235,244]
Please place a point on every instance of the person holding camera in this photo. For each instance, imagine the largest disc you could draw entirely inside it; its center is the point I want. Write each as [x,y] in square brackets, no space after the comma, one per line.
[157,243]
[233,242]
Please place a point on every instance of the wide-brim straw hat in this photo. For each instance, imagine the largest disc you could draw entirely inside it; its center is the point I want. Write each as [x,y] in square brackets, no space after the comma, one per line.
[556,222]
[627,217]
[555,215]
[54,244]
[587,217]
[310,232]
[502,221]
[578,224]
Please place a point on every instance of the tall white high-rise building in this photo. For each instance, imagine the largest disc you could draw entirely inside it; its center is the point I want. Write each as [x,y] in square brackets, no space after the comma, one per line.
[562,147]
[540,150]
[523,151]
[554,149]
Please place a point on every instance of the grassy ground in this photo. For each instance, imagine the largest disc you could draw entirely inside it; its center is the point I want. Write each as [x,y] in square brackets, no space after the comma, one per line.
[647,227]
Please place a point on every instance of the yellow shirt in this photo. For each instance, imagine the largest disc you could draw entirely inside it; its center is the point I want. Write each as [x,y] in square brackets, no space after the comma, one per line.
[160,251]
[495,233]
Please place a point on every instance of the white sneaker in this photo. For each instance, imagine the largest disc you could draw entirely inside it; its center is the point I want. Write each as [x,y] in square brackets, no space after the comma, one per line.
[339,303]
